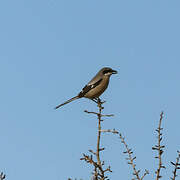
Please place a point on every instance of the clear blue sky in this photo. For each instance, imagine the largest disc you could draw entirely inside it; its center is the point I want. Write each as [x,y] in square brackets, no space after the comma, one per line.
[49,49]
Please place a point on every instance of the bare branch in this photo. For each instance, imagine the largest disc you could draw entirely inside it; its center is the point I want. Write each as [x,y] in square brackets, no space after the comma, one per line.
[159,148]
[176,166]
[110,130]
[128,151]
[130,158]
[99,171]
[102,115]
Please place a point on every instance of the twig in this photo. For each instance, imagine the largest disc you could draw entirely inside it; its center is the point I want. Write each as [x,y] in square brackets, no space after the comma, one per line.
[159,148]
[110,130]
[99,133]
[102,115]
[130,158]
[176,166]
[129,152]
[145,173]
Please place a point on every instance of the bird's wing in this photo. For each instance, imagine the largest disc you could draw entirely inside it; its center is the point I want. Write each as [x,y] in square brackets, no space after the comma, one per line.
[95,79]
[88,87]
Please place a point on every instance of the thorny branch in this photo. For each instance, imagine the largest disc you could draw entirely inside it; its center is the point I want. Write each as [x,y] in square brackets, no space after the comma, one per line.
[98,166]
[99,171]
[176,166]
[159,148]
[99,133]
[102,115]
[130,158]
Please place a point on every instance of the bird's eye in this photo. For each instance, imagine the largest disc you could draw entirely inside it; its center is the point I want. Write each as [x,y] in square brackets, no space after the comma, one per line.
[106,71]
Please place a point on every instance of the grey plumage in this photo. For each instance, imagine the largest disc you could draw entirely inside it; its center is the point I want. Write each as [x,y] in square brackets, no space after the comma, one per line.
[95,87]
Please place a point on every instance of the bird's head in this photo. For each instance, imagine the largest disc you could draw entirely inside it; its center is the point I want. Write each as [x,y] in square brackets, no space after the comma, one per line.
[108,71]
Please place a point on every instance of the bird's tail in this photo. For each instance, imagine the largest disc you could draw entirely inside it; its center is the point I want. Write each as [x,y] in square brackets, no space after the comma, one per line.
[68,101]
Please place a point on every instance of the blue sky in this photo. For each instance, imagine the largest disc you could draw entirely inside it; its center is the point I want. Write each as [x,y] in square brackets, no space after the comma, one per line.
[50,49]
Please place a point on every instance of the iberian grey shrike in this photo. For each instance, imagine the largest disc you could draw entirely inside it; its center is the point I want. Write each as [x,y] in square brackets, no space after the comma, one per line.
[95,87]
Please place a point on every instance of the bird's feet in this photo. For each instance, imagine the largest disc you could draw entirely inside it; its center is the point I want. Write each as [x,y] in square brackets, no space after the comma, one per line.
[95,100]
[98,100]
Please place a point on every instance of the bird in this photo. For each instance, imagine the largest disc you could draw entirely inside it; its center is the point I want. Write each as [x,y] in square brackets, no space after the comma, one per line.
[95,87]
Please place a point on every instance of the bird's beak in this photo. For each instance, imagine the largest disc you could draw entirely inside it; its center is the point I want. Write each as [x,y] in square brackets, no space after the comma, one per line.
[114,72]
